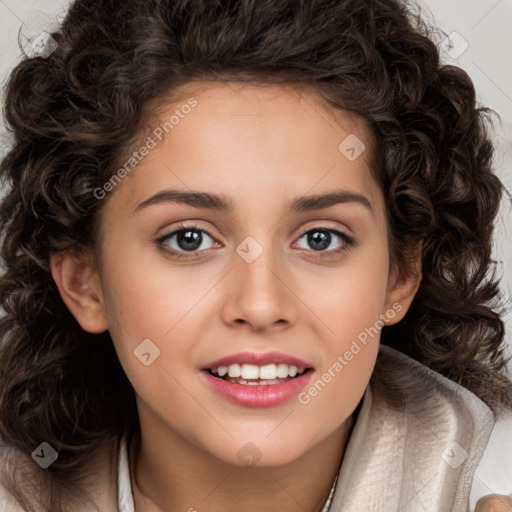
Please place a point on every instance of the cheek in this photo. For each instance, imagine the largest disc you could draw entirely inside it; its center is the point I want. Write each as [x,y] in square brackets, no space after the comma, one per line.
[351,307]
[351,299]
[349,352]
[336,390]
[148,302]
[149,297]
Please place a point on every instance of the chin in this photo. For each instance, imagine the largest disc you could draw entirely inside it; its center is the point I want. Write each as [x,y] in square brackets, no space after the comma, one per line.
[261,452]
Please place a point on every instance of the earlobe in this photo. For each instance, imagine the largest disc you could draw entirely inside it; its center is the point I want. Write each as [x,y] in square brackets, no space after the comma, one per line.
[403,285]
[80,290]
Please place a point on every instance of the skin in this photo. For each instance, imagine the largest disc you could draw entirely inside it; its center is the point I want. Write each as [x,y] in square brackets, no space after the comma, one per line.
[261,147]
[494,503]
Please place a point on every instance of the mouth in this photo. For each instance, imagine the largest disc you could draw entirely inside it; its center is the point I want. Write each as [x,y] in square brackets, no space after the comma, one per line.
[257,380]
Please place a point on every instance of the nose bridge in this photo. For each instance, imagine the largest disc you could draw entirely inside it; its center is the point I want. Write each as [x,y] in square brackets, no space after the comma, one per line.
[258,265]
[260,296]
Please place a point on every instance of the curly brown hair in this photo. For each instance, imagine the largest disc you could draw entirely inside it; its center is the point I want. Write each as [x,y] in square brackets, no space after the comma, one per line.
[75,114]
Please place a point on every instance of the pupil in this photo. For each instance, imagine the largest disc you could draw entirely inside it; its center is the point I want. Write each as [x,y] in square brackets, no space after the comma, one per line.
[319,240]
[189,240]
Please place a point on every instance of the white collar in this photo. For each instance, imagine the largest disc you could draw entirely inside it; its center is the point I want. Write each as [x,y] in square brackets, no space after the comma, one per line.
[124,487]
[420,454]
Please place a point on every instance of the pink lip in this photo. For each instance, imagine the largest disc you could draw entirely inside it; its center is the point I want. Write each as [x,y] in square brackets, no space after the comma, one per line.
[257,359]
[257,396]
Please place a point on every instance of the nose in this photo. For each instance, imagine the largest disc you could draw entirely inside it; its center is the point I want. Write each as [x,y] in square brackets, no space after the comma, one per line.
[260,294]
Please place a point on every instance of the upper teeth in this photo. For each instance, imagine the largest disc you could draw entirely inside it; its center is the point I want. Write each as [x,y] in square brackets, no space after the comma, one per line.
[251,371]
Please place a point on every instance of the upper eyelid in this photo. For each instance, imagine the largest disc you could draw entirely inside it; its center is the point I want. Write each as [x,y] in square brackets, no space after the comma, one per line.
[303,232]
[323,228]
[179,228]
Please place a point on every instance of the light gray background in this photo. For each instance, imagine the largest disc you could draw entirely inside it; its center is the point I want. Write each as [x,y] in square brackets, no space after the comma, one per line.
[485,27]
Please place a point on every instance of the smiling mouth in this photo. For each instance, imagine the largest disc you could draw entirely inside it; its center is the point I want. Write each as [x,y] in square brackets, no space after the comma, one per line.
[253,375]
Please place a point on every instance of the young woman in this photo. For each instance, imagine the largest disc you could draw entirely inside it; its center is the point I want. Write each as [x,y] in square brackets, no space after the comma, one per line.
[247,250]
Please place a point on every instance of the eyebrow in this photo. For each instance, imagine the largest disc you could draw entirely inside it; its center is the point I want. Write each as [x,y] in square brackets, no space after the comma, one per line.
[222,203]
[317,202]
[197,199]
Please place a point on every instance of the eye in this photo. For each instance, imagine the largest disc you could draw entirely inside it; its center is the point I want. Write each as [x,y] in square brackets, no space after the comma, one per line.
[325,240]
[186,239]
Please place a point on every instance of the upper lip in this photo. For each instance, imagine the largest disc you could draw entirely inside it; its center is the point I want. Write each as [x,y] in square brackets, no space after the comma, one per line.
[258,360]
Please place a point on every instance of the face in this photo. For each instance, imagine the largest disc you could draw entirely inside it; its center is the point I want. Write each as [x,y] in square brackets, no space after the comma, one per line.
[257,275]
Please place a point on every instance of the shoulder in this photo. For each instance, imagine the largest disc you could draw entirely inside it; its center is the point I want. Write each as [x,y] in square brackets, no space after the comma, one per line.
[9,457]
[416,442]
[399,379]
[100,480]
[8,503]
[438,412]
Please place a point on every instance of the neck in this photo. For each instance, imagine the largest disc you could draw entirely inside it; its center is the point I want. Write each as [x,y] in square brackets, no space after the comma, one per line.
[194,481]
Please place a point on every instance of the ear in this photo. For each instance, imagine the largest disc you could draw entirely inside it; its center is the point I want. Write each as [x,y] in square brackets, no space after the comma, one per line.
[80,289]
[402,287]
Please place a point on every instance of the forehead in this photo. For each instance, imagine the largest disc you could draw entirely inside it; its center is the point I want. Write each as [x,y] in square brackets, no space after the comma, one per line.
[272,138]
[266,106]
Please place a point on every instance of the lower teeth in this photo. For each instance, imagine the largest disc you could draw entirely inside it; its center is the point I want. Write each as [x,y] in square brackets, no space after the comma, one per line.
[259,382]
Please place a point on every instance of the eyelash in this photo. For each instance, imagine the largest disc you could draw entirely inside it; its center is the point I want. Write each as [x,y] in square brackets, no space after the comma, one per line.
[348,241]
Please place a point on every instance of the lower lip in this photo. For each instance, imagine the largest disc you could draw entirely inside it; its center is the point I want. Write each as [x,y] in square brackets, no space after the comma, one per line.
[257,396]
